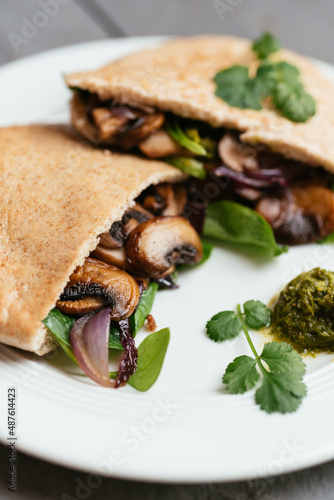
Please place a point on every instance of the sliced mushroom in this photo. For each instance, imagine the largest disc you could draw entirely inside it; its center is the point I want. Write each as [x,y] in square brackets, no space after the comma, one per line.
[302,213]
[237,155]
[141,128]
[107,283]
[134,216]
[159,145]
[114,238]
[165,199]
[113,256]
[156,245]
[81,306]
[108,122]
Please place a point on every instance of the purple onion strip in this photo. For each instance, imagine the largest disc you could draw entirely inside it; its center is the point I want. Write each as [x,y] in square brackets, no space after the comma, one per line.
[89,340]
[128,363]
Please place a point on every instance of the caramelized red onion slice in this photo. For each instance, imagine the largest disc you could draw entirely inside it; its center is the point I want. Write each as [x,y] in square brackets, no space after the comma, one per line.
[89,340]
[255,181]
[128,363]
[166,282]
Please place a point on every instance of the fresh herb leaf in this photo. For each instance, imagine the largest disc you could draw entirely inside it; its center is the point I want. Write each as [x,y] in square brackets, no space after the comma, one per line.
[151,354]
[60,326]
[266,45]
[178,135]
[279,81]
[231,222]
[257,314]
[144,307]
[224,326]
[235,87]
[281,358]
[291,99]
[280,393]
[281,367]
[188,165]
[241,375]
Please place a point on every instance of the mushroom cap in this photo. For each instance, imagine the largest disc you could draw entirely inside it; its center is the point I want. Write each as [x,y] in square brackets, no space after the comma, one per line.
[103,281]
[154,246]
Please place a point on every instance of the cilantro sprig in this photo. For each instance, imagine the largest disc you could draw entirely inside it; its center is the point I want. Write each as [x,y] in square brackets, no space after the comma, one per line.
[278,81]
[280,368]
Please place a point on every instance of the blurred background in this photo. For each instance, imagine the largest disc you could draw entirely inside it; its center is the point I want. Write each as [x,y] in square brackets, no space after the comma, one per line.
[30,26]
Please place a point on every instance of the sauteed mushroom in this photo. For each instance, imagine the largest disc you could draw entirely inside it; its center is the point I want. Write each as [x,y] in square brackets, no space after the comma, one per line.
[113,256]
[159,144]
[108,122]
[237,155]
[301,213]
[165,199]
[156,245]
[141,128]
[106,283]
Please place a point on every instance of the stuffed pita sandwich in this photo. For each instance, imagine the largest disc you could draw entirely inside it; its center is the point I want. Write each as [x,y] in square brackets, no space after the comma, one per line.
[78,249]
[253,119]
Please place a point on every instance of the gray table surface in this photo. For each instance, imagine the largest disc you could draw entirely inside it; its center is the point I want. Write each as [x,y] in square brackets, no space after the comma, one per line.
[302,25]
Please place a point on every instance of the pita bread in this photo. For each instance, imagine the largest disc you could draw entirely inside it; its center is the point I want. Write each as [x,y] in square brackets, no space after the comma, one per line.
[178,77]
[58,194]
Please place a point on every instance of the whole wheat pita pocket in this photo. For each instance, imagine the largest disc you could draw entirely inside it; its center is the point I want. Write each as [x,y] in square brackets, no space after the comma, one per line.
[178,77]
[58,195]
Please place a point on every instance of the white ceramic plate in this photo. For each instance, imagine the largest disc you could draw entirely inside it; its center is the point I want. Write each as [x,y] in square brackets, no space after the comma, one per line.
[186,428]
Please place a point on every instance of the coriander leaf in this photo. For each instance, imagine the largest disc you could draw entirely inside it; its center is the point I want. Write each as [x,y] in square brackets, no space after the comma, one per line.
[327,239]
[144,308]
[293,101]
[234,86]
[151,354]
[179,136]
[280,393]
[232,222]
[281,358]
[60,326]
[223,326]
[241,375]
[265,79]
[257,314]
[188,165]
[266,45]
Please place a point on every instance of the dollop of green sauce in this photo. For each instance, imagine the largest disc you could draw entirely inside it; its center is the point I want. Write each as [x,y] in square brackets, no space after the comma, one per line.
[304,312]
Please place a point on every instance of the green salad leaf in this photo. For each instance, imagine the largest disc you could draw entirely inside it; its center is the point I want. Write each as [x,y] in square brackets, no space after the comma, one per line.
[327,239]
[144,307]
[189,166]
[60,326]
[151,354]
[232,222]
[178,135]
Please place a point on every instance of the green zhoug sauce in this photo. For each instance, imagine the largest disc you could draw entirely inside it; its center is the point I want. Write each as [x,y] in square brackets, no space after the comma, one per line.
[303,314]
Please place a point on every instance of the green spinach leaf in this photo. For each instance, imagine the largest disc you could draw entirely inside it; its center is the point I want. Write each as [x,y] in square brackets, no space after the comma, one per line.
[151,354]
[231,222]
